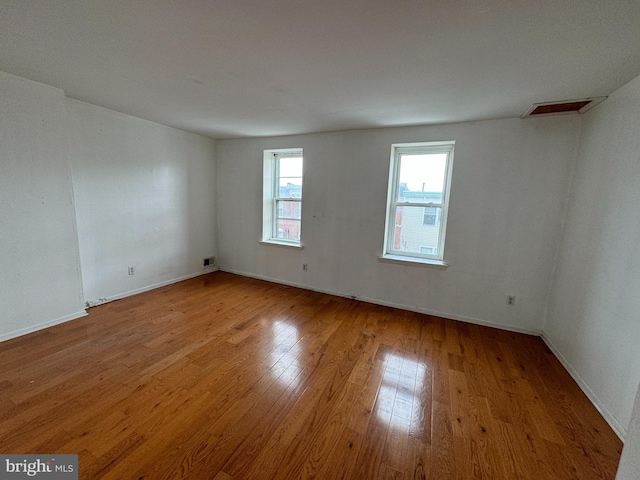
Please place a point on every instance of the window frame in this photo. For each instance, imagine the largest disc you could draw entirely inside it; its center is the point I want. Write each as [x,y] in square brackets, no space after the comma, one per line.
[397,150]
[271,196]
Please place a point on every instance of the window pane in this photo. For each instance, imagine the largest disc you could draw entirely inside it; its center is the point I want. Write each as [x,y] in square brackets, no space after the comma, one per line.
[289,209]
[288,229]
[410,232]
[421,177]
[290,177]
[290,166]
[290,188]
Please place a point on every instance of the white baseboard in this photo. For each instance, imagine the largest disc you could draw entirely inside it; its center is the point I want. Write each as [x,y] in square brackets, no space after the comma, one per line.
[100,301]
[411,308]
[604,411]
[40,326]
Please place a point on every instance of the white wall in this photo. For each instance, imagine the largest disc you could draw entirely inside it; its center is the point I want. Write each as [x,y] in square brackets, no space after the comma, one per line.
[629,468]
[145,197]
[40,282]
[593,322]
[508,193]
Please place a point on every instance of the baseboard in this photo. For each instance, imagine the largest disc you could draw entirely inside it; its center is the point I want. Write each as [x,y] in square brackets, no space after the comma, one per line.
[604,411]
[435,313]
[41,326]
[103,300]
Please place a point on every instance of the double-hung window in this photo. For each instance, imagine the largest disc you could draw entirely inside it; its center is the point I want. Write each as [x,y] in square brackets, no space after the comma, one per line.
[418,200]
[282,196]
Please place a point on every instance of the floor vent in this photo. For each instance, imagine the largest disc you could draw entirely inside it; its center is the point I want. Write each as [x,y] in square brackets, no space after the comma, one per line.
[562,108]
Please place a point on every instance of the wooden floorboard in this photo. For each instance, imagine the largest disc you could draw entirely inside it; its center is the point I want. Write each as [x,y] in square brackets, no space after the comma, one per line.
[224,377]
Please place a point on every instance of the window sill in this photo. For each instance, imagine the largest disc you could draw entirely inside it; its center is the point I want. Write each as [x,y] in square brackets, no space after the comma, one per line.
[276,243]
[421,262]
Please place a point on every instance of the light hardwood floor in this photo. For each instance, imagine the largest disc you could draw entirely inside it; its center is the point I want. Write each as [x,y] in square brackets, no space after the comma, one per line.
[224,377]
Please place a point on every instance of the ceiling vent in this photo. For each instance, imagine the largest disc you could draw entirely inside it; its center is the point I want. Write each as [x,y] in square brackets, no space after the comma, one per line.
[562,108]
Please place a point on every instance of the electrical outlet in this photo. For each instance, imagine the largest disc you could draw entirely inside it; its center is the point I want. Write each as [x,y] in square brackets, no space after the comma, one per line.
[304,267]
[131,271]
[511,299]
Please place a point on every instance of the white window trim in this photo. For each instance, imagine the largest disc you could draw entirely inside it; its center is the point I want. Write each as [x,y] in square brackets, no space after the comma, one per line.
[279,243]
[270,196]
[411,257]
[413,261]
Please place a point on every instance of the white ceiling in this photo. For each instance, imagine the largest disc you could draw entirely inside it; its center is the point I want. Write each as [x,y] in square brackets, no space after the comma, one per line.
[235,68]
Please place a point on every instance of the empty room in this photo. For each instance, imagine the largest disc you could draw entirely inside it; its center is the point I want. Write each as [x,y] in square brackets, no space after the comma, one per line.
[290,239]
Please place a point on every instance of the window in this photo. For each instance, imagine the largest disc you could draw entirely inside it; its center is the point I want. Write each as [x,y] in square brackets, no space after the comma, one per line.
[418,199]
[431,216]
[282,196]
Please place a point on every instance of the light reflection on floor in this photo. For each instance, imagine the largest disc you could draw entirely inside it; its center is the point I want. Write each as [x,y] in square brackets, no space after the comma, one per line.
[285,355]
[398,397]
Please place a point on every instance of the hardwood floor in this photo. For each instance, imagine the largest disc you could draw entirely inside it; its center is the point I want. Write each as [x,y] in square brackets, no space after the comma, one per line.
[224,377]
